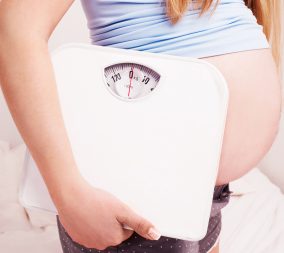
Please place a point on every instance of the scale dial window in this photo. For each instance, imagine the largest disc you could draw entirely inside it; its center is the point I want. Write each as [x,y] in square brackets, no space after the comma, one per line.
[130,81]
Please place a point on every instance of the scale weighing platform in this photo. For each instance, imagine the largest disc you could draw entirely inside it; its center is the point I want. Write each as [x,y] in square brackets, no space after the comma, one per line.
[146,127]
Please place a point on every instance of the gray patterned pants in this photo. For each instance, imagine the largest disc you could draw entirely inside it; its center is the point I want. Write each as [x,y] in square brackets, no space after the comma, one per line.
[138,244]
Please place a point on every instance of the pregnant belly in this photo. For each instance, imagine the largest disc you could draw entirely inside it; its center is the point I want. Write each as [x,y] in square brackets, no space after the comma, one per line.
[253,111]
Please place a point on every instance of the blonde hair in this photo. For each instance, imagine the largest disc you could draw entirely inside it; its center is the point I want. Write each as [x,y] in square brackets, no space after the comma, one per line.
[267,13]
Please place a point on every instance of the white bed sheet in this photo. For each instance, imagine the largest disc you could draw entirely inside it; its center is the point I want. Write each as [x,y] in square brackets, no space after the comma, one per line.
[253,221]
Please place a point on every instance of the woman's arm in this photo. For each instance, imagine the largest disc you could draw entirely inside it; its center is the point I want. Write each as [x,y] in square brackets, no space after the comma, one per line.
[28,84]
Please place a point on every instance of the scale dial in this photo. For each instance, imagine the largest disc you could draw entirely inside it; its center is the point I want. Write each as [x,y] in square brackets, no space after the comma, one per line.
[130,81]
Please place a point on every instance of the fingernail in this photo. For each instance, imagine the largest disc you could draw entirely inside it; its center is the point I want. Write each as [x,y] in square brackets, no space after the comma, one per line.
[153,233]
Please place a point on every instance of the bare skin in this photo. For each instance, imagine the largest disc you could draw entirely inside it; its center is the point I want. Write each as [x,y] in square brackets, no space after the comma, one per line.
[215,249]
[28,84]
[253,113]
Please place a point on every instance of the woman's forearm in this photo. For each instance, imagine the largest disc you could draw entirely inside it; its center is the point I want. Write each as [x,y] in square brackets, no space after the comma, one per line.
[29,87]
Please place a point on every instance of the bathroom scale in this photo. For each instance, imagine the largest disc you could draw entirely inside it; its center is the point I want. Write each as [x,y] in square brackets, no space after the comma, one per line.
[147,127]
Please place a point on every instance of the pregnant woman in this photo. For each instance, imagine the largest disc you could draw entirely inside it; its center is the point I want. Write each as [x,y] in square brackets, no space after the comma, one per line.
[241,38]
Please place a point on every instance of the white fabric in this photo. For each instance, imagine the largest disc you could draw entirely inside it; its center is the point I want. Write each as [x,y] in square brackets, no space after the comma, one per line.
[12,214]
[20,232]
[253,222]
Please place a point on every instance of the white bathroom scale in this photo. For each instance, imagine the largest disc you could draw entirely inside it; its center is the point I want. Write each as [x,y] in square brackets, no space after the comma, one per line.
[144,126]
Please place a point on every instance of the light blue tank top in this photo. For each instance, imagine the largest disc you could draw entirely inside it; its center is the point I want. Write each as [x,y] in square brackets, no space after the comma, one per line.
[143,25]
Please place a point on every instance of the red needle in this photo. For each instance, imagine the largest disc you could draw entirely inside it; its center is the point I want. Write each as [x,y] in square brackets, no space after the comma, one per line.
[130,81]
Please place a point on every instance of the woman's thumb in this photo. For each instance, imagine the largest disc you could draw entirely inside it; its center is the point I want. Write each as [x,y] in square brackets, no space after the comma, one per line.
[140,225]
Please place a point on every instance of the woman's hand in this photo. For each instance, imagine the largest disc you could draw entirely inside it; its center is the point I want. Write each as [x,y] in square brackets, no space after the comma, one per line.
[93,217]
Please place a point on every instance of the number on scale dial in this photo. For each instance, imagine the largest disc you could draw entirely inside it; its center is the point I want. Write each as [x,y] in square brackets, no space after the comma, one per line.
[130,80]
